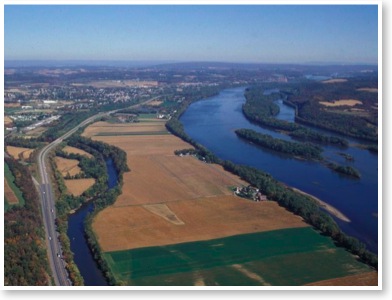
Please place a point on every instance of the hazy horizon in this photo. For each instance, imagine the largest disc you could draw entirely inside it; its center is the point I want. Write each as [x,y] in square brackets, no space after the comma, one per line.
[286,34]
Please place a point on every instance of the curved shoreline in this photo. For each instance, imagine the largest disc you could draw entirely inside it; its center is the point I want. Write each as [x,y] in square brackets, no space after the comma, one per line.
[329,208]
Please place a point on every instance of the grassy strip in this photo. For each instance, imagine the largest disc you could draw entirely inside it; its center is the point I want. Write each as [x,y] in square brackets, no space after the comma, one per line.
[11,182]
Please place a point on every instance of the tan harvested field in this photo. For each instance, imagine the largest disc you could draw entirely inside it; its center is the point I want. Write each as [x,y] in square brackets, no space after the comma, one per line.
[168,199]
[121,83]
[145,144]
[371,90]
[7,120]
[155,103]
[67,166]
[11,104]
[108,128]
[335,80]
[76,187]
[362,279]
[205,218]
[157,179]
[19,152]
[9,194]
[343,102]
[69,149]
[164,211]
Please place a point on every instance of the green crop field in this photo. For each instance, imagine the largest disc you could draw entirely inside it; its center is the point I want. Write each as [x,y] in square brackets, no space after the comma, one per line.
[294,256]
[10,179]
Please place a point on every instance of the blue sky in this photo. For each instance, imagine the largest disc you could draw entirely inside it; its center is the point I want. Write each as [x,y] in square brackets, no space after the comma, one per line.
[252,33]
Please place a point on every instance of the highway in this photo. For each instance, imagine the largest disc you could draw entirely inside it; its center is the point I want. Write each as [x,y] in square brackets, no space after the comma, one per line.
[57,264]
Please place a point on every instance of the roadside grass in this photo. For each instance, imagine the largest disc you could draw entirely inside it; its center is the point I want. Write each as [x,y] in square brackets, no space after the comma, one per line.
[292,256]
[11,182]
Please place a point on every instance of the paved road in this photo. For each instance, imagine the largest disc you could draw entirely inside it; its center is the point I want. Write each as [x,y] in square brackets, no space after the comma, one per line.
[57,264]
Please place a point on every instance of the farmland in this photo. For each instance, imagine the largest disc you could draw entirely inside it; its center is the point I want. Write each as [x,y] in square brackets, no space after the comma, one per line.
[12,193]
[67,166]
[69,149]
[107,129]
[178,223]
[204,219]
[247,259]
[76,187]
[19,152]
[343,102]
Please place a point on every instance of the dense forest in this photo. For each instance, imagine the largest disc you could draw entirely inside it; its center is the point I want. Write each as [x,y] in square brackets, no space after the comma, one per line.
[295,149]
[358,121]
[25,257]
[261,109]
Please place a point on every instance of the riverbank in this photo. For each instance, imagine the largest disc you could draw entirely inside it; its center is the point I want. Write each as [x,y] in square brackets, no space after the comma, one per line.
[332,210]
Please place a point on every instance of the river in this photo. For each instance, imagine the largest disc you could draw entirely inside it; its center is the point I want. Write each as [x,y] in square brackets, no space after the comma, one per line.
[212,122]
[83,256]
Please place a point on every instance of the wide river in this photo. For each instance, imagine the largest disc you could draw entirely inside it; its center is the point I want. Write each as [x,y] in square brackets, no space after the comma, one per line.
[211,122]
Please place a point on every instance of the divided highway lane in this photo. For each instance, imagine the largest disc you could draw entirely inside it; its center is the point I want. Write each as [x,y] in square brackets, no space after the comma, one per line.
[56,262]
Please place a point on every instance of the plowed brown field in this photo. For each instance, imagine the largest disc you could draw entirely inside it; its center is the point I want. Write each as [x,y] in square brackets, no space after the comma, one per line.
[205,218]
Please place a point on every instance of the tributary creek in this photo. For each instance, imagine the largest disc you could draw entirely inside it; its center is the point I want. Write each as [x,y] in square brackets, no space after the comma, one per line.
[83,256]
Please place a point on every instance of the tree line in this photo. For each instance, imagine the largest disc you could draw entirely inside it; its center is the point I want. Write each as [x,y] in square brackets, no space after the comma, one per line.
[303,206]
[261,109]
[25,256]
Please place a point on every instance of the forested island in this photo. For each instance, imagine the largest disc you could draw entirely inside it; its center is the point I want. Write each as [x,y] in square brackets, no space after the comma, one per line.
[261,109]
[303,150]
[294,149]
